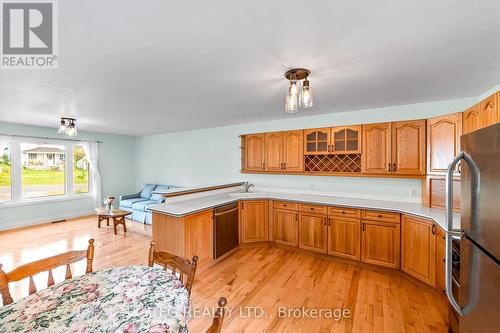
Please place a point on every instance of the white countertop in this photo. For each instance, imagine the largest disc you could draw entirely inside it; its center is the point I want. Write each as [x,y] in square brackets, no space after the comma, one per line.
[195,204]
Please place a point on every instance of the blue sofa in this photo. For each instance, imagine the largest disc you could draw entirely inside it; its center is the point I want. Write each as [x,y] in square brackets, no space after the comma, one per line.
[138,202]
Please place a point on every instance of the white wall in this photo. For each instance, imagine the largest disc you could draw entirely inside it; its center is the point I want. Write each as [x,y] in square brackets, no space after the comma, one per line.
[116,164]
[212,155]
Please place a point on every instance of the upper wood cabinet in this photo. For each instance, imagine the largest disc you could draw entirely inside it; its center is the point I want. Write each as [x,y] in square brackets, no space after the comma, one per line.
[274,151]
[408,147]
[394,148]
[418,248]
[443,142]
[344,237]
[253,219]
[293,152]
[285,227]
[317,141]
[490,110]
[345,140]
[472,119]
[376,148]
[313,232]
[255,152]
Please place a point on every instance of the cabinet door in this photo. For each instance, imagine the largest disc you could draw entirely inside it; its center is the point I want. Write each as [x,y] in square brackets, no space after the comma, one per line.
[489,112]
[380,243]
[443,142]
[253,221]
[293,159]
[344,237]
[255,149]
[346,140]
[317,141]
[376,157]
[313,232]
[408,147]
[472,119]
[418,257]
[440,260]
[285,227]
[274,151]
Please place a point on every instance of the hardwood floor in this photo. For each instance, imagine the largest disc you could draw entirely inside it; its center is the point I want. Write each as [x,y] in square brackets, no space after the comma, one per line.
[254,279]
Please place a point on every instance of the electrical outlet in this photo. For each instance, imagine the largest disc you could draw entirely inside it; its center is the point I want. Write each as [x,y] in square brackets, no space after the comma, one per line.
[413,194]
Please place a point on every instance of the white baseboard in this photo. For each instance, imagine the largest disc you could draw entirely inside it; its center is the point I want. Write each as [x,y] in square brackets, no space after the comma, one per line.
[42,220]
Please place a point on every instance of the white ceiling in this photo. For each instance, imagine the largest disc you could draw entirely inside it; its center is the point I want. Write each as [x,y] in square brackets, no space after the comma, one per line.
[143,67]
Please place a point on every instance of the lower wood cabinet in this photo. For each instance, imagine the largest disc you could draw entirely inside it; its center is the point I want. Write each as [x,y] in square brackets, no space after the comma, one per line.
[419,248]
[313,232]
[253,218]
[440,260]
[344,237]
[285,227]
[380,243]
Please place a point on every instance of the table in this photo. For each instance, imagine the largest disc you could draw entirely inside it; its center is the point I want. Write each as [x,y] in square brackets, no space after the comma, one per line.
[117,215]
[123,299]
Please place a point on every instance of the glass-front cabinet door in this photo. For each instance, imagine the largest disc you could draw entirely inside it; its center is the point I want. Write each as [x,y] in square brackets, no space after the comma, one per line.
[317,141]
[346,140]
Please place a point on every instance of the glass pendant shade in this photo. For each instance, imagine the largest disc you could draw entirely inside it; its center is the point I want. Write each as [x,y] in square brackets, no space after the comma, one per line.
[62,127]
[71,131]
[306,96]
[291,104]
[294,89]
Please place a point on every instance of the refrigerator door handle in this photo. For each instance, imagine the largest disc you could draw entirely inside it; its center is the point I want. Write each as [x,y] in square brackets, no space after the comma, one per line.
[475,181]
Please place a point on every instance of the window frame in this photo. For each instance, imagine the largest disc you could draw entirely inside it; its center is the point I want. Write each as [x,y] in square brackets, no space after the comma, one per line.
[16,172]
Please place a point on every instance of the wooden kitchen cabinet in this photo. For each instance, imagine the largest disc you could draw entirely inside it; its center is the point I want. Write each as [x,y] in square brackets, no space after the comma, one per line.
[440,260]
[293,152]
[472,119]
[418,248]
[274,151]
[285,228]
[317,141]
[345,140]
[380,243]
[344,237]
[255,152]
[253,218]
[489,110]
[408,147]
[443,142]
[376,148]
[313,232]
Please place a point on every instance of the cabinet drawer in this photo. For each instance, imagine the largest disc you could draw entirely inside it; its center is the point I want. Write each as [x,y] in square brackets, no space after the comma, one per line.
[376,215]
[346,212]
[286,205]
[313,209]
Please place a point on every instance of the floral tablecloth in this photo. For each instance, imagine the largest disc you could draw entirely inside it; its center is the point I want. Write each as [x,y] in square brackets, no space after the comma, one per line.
[124,299]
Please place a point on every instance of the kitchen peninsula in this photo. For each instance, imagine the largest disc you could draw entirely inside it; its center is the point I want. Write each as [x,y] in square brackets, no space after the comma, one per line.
[383,233]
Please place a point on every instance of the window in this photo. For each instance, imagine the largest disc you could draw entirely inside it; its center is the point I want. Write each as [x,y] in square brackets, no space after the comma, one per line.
[42,177]
[5,172]
[32,169]
[80,171]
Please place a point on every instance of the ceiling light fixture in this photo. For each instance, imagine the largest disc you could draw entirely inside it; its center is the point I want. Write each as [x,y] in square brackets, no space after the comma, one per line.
[68,127]
[299,95]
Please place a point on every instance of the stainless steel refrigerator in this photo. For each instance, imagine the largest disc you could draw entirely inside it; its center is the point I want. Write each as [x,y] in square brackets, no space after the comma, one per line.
[478,301]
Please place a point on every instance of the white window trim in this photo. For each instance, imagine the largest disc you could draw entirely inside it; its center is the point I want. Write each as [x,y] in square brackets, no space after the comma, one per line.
[16,174]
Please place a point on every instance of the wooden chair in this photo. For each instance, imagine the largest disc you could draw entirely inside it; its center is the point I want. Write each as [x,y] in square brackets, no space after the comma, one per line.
[178,265]
[43,265]
[218,317]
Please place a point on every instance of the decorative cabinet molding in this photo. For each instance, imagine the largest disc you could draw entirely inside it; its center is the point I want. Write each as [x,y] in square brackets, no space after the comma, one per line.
[489,110]
[472,119]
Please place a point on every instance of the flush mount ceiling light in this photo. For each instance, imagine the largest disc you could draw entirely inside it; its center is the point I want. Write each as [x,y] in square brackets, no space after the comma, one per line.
[68,127]
[299,93]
